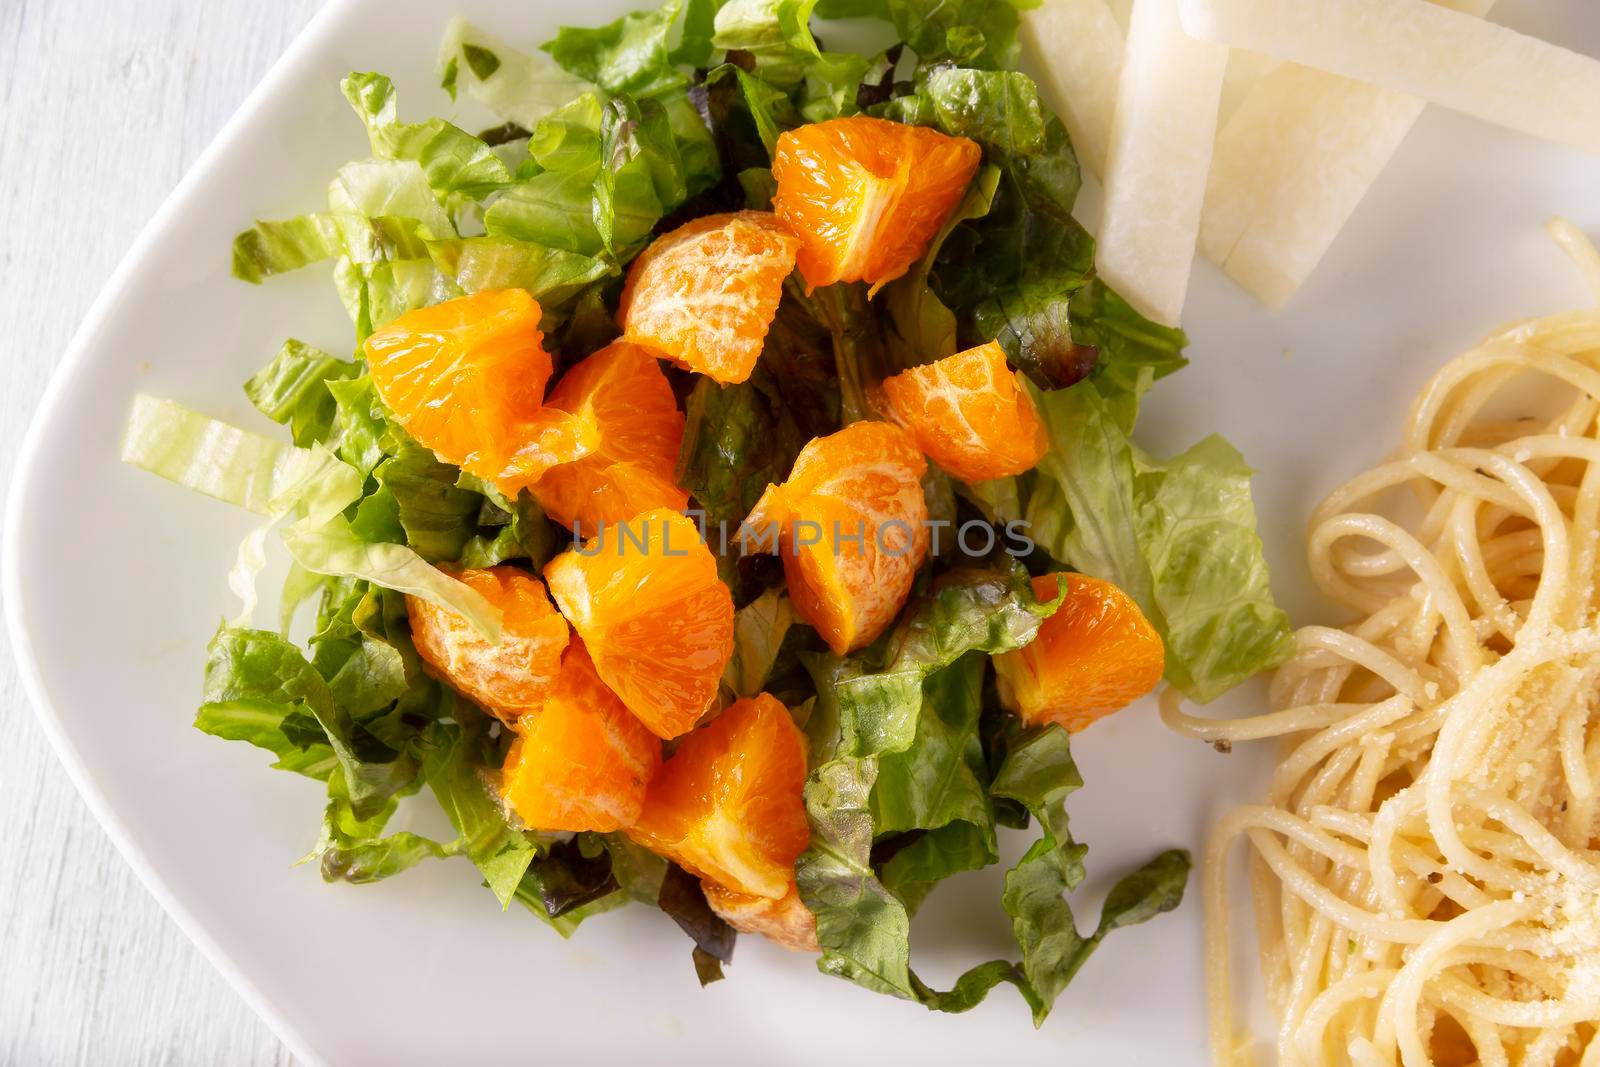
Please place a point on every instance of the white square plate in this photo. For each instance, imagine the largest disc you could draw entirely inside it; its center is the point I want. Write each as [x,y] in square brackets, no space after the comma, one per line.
[114,582]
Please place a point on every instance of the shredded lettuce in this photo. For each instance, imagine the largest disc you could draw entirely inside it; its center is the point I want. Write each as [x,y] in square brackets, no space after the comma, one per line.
[454,162]
[276,480]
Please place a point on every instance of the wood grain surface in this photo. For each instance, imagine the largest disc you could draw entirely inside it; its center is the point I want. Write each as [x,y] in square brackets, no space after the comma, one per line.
[103,106]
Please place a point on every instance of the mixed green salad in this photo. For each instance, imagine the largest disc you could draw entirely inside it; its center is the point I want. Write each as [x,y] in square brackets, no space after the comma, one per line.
[609,136]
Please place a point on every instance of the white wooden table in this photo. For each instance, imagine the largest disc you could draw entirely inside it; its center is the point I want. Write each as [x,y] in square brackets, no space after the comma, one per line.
[103,106]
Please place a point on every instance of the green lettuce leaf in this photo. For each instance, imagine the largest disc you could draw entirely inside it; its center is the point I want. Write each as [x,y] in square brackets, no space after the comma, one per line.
[436,517]
[275,480]
[292,390]
[870,706]
[1000,109]
[455,163]
[553,276]
[455,770]
[519,87]
[699,26]
[879,691]
[554,208]
[776,33]
[641,177]
[508,529]
[940,777]
[1133,351]
[258,671]
[629,55]
[1197,527]
[389,188]
[355,650]
[979,33]
[758,632]
[1179,537]
[1038,772]
[353,849]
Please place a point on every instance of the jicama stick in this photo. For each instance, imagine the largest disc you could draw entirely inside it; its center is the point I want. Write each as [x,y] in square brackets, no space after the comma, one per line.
[1160,152]
[1290,166]
[1244,72]
[1079,50]
[1412,46]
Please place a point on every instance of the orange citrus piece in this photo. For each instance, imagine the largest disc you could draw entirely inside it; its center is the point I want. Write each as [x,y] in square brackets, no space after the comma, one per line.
[866,195]
[465,377]
[728,805]
[852,526]
[627,403]
[1095,655]
[511,678]
[582,761]
[785,921]
[705,294]
[645,597]
[970,414]
[547,438]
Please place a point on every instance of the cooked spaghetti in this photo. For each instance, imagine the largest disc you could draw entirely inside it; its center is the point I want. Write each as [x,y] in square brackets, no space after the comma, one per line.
[1425,870]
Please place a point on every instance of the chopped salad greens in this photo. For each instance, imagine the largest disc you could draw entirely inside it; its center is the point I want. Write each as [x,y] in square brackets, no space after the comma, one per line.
[609,137]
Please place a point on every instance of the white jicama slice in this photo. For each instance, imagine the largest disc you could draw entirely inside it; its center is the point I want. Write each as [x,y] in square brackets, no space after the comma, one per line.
[1160,152]
[1413,46]
[1244,72]
[1078,45]
[1121,10]
[1290,166]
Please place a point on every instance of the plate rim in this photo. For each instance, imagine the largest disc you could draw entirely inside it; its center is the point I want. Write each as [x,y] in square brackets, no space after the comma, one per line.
[279,76]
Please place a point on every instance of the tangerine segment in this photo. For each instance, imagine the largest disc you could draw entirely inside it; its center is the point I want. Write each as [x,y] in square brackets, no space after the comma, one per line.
[970,414]
[785,921]
[1095,655]
[852,525]
[622,395]
[511,678]
[866,195]
[581,762]
[547,438]
[462,376]
[728,805]
[705,294]
[645,597]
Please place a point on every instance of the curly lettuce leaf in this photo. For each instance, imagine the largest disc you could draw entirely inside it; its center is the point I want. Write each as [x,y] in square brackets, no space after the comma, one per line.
[1000,109]
[632,54]
[257,671]
[979,33]
[775,33]
[878,692]
[1179,537]
[454,163]
[293,390]
[940,777]
[867,707]
[1039,773]
[1197,526]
